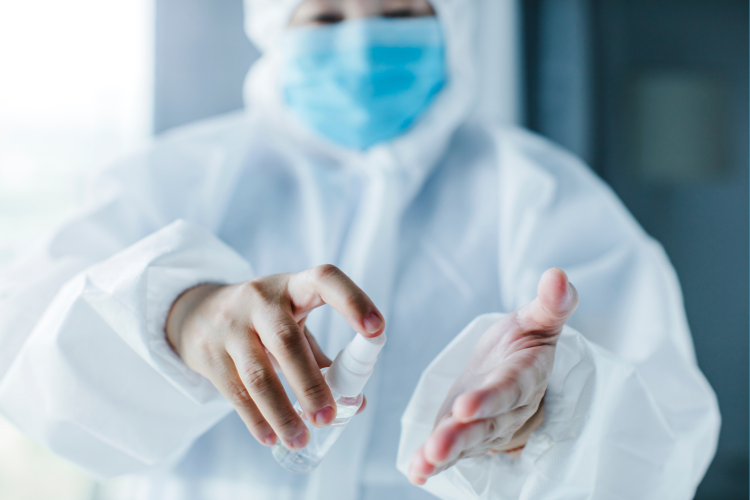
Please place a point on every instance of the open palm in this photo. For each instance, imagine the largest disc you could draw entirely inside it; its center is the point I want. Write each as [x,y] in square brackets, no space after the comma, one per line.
[494,404]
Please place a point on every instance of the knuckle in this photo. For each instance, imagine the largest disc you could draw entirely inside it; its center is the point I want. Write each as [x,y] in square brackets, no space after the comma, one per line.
[288,423]
[202,353]
[258,380]
[226,315]
[253,419]
[316,392]
[256,421]
[285,338]
[254,289]
[239,396]
[324,271]
[263,293]
[208,354]
[357,302]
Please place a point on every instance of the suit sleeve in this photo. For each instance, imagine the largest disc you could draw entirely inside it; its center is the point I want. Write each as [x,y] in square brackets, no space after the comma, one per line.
[85,369]
[628,413]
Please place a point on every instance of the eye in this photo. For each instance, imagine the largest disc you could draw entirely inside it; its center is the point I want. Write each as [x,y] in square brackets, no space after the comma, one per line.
[396,13]
[328,18]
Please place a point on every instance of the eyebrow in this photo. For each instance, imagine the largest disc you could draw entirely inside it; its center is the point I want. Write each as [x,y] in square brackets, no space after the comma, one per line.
[398,12]
[330,16]
[405,8]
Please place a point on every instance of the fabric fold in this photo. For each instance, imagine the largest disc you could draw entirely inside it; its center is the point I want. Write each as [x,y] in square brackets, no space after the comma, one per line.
[603,435]
[115,397]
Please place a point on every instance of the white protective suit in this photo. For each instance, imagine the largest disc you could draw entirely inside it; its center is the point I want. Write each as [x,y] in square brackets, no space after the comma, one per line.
[454,219]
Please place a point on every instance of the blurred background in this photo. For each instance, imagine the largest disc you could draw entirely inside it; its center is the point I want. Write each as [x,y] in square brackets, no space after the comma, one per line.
[653,94]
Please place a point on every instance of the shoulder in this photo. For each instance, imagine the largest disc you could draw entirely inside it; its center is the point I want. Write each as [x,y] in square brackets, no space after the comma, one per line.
[178,169]
[185,150]
[526,153]
[553,210]
[215,130]
[544,177]
[523,155]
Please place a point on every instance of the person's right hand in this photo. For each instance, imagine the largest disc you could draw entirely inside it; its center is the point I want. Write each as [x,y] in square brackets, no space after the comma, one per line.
[235,334]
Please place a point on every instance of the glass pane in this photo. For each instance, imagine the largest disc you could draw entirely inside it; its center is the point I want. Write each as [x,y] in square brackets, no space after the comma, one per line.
[75,93]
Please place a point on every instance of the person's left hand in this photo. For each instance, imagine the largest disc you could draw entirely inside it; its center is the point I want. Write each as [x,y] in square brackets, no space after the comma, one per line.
[495,402]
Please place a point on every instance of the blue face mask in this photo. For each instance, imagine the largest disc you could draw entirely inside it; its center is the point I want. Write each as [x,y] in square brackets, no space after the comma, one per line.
[365,81]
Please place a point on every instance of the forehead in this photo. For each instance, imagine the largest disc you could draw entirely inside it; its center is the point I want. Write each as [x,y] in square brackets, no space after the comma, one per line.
[361,6]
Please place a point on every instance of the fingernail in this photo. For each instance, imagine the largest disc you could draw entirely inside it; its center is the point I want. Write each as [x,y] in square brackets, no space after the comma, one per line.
[373,323]
[418,480]
[300,441]
[570,295]
[325,416]
[270,440]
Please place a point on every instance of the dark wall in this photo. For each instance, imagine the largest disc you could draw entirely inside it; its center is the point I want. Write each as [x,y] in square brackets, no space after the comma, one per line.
[600,53]
[703,224]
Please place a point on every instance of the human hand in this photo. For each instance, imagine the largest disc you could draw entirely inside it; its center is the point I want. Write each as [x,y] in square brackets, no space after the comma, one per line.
[234,335]
[494,405]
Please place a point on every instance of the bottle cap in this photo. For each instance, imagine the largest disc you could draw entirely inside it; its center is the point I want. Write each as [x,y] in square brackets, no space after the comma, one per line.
[353,366]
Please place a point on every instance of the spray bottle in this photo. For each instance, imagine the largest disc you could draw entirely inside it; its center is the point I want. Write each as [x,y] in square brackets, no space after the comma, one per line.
[346,378]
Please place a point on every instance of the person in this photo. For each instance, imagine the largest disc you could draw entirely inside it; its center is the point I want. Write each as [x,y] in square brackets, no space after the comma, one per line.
[162,331]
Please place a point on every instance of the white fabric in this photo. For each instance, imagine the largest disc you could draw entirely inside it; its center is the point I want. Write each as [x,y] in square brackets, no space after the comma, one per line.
[265,20]
[452,220]
[645,453]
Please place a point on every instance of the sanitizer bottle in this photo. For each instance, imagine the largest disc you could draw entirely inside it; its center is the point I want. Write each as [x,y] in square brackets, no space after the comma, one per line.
[346,377]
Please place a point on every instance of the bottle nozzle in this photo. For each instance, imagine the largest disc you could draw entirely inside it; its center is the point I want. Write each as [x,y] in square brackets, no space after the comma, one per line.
[366,350]
[353,365]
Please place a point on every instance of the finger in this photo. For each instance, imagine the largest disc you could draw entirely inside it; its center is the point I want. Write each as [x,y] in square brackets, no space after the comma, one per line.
[522,434]
[516,384]
[451,438]
[456,440]
[320,357]
[328,285]
[229,384]
[556,301]
[420,469]
[283,337]
[261,385]
[274,363]
[324,361]
[487,402]
[499,395]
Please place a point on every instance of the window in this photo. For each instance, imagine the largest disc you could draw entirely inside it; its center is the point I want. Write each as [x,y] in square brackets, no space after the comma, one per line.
[75,93]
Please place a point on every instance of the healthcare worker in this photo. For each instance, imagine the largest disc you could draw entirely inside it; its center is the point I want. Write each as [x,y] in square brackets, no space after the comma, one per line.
[141,339]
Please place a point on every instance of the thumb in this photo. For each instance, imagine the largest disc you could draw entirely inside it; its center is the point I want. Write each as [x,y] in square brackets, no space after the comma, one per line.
[556,301]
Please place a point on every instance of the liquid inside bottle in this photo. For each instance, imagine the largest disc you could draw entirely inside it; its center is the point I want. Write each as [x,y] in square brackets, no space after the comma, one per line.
[321,439]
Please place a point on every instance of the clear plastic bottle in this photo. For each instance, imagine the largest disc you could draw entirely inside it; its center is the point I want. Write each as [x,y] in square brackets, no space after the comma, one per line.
[346,377]
[321,438]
